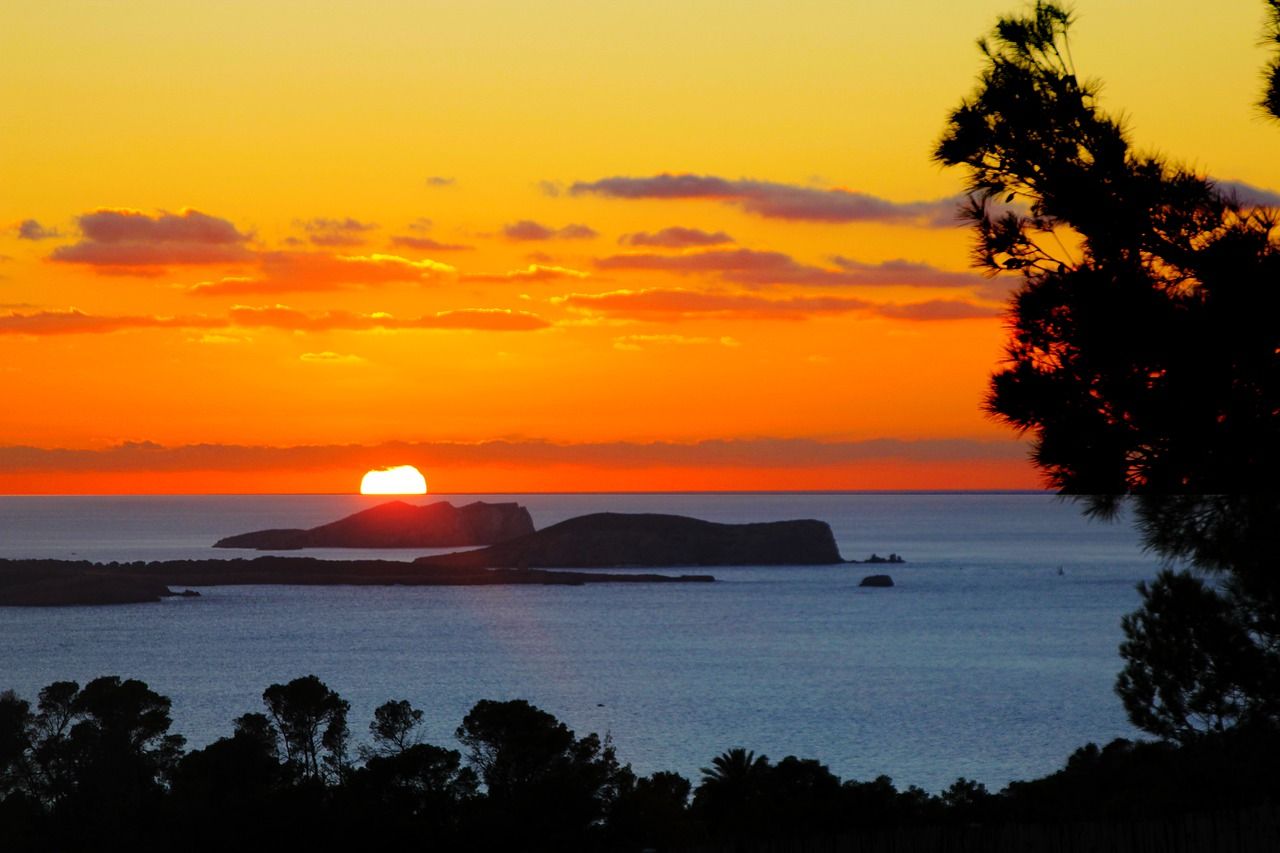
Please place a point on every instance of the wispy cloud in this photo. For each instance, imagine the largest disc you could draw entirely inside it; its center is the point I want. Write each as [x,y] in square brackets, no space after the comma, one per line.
[673,304]
[676,237]
[293,272]
[336,232]
[677,304]
[75,322]
[527,229]
[440,181]
[472,319]
[730,453]
[776,200]
[330,357]
[635,343]
[532,273]
[752,267]
[426,244]
[1249,195]
[30,229]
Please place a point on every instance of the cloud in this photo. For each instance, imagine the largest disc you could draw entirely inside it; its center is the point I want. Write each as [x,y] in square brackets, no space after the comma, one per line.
[336,232]
[939,309]
[472,319]
[676,238]
[533,273]
[635,343]
[292,272]
[676,304]
[440,181]
[29,229]
[426,244]
[1249,195]
[75,322]
[132,239]
[673,304]
[527,229]
[329,357]
[752,267]
[775,200]
[771,453]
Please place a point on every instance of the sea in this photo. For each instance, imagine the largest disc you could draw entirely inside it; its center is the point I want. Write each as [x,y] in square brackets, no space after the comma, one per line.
[993,656]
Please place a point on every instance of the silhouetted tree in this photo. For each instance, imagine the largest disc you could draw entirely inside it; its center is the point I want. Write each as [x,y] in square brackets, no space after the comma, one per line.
[1192,664]
[652,812]
[311,721]
[394,727]
[15,743]
[1143,359]
[542,782]
[731,792]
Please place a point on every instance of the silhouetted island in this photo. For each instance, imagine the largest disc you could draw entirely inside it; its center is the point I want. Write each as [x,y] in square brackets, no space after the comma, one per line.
[67,582]
[397,524]
[877,581]
[611,540]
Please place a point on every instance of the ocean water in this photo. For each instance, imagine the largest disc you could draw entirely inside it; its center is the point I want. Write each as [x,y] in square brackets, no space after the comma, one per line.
[984,661]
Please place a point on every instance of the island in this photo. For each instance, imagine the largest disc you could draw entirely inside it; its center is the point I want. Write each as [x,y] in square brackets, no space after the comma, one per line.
[613,540]
[877,581]
[397,524]
[70,582]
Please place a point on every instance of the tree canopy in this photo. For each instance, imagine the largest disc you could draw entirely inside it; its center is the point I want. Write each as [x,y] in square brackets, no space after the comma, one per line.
[1143,359]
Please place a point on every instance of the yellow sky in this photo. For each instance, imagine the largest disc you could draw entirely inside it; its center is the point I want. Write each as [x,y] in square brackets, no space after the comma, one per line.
[314,132]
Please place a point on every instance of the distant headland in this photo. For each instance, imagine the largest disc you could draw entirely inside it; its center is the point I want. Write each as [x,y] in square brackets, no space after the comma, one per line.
[71,582]
[612,540]
[396,524]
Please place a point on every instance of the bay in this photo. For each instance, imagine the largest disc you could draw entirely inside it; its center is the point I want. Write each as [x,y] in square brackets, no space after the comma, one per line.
[984,660]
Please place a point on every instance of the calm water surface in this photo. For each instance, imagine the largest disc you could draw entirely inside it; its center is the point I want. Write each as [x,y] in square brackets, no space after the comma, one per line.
[983,661]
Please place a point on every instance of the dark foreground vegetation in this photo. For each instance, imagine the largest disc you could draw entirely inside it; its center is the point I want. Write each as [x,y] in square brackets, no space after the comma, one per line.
[96,766]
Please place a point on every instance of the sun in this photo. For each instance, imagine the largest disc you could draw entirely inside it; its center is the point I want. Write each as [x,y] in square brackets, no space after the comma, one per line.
[400,480]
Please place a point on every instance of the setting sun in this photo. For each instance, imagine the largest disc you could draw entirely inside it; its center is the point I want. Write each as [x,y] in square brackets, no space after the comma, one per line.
[400,480]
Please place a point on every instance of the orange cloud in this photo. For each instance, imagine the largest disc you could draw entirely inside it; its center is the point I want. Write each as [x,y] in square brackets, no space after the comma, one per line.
[426,244]
[30,229]
[776,201]
[752,267]
[73,321]
[676,303]
[336,232]
[534,273]
[676,238]
[76,322]
[130,238]
[476,319]
[283,272]
[715,453]
[527,229]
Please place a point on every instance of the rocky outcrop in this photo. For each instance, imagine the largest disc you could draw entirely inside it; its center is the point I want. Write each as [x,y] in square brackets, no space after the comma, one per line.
[67,582]
[610,540]
[397,524]
[877,580]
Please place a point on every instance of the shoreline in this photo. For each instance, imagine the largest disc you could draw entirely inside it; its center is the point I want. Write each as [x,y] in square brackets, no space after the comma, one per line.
[53,582]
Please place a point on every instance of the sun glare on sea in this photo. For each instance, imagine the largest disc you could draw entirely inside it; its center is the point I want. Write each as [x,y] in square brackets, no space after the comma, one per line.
[400,480]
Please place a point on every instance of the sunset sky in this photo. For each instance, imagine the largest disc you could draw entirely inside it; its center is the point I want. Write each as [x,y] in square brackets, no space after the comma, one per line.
[264,246]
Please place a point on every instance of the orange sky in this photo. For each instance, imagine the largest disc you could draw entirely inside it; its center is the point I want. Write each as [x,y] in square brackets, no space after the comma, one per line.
[260,247]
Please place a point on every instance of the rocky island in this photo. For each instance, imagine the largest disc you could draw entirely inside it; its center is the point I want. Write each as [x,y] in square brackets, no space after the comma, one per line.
[397,524]
[612,540]
[68,582]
